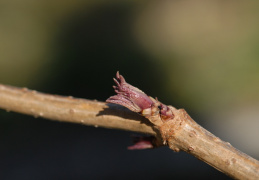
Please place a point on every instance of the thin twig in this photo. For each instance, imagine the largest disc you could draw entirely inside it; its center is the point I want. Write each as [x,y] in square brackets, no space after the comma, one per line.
[74,110]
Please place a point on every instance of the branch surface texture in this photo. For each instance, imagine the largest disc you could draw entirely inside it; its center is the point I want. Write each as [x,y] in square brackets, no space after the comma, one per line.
[166,126]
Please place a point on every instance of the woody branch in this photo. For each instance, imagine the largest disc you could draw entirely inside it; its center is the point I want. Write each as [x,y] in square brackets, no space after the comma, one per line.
[168,125]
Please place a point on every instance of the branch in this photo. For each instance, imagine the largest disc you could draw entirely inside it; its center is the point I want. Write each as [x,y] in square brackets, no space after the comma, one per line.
[167,125]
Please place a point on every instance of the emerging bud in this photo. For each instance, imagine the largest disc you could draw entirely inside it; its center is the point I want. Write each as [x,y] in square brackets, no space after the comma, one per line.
[137,101]
[129,96]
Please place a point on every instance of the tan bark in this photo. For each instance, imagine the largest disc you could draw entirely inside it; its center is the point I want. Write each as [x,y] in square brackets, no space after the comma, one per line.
[183,133]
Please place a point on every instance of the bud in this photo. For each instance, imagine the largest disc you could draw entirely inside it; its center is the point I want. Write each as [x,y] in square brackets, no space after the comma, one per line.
[129,96]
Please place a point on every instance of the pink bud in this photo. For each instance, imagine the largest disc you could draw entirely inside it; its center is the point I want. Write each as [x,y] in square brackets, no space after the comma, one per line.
[129,96]
[142,143]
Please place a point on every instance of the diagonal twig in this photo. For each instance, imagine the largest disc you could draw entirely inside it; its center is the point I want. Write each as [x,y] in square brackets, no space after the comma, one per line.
[181,133]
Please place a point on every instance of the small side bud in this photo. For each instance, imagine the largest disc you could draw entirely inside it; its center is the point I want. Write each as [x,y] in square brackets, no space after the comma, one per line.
[165,112]
[141,142]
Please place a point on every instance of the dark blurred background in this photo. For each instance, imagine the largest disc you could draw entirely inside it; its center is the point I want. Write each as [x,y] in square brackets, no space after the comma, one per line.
[198,55]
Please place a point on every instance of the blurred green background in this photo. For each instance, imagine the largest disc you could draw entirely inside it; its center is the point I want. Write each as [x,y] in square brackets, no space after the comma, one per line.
[199,55]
